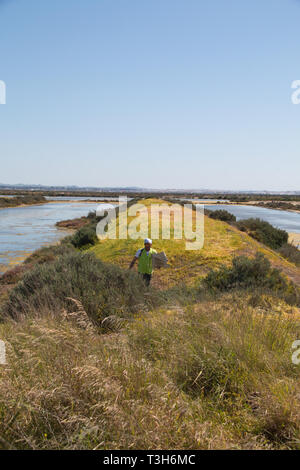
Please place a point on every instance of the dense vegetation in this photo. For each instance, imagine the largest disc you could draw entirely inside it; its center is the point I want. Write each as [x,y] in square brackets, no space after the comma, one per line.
[252,273]
[84,237]
[223,215]
[215,374]
[279,205]
[264,232]
[102,289]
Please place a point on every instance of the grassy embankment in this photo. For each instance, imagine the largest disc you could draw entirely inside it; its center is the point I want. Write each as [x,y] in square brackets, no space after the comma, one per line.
[16,201]
[186,365]
[222,243]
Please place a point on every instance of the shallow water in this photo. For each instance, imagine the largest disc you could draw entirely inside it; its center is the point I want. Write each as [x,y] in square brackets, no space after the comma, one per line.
[285,220]
[25,229]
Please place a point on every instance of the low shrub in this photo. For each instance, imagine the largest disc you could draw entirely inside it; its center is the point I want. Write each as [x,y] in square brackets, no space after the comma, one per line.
[291,253]
[223,215]
[264,232]
[102,289]
[73,224]
[252,273]
[49,253]
[92,216]
[84,237]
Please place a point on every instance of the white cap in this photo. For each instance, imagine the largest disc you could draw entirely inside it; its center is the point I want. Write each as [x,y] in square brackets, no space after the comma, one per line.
[148,240]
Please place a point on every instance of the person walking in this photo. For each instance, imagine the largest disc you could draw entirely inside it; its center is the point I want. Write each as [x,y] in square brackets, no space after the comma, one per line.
[144,257]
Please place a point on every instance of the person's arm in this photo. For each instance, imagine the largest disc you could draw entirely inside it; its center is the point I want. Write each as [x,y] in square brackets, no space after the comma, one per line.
[132,262]
[136,256]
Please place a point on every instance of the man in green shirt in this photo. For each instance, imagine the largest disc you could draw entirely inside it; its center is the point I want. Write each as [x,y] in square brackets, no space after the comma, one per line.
[144,257]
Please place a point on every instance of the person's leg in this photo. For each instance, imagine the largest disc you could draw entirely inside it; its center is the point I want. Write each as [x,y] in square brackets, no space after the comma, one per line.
[147,279]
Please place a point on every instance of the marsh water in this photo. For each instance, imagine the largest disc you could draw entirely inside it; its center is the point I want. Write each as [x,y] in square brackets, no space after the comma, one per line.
[27,228]
[285,220]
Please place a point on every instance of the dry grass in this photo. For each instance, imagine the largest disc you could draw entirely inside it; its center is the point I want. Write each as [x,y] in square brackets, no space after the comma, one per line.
[71,388]
[214,375]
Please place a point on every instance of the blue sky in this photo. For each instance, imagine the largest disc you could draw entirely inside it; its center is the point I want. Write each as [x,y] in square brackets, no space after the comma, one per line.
[150,93]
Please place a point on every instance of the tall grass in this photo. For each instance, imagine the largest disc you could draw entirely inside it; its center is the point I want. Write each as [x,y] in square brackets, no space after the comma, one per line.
[210,376]
[235,361]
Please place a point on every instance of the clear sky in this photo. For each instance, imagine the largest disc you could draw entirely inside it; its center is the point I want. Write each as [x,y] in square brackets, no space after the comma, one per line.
[150,93]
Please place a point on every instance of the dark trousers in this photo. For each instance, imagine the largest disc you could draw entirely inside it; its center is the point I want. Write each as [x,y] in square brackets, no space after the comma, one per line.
[146,278]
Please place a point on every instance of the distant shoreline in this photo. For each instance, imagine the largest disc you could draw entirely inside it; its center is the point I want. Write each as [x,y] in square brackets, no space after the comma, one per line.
[19,201]
[23,205]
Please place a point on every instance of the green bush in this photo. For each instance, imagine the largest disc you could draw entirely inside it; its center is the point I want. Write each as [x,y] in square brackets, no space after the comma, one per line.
[252,273]
[223,215]
[102,289]
[264,232]
[84,237]
[92,215]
